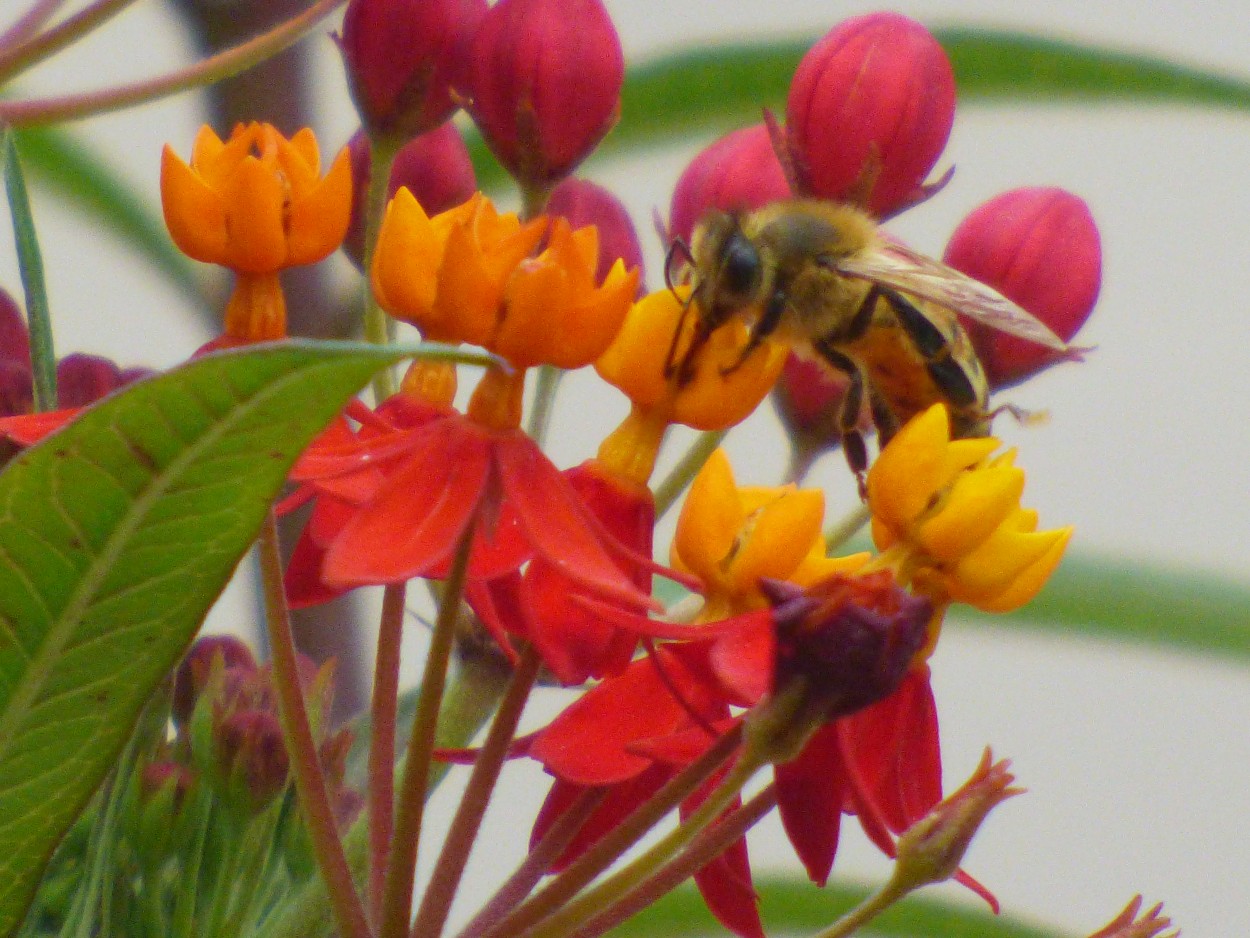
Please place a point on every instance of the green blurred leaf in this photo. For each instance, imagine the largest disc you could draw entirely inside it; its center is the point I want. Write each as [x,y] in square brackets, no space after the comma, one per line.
[794,907]
[65,165]
[30,262]
[116,536]
[704,92]
[1147,605]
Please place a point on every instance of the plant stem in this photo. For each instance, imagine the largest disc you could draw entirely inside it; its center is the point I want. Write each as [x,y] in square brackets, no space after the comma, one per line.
[606,851]
[536,864]
[544,398]
[205,72]
[865,912]
[436,904]
[847,526]
[381,786]
[29,23]
[310,783]
[707,847]
[617,886]
[21,57]
[402,864]
[382,152]
[668,491]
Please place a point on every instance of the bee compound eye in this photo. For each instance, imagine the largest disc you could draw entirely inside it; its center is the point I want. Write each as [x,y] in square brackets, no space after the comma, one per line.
[741,265]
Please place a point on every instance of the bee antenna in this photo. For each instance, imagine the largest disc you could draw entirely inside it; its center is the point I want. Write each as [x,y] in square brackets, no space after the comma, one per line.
[677,248]
[670,359]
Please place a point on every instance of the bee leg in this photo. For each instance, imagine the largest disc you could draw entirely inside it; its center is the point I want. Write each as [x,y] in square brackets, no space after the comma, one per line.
[947,373]
[765,326]
[853,445]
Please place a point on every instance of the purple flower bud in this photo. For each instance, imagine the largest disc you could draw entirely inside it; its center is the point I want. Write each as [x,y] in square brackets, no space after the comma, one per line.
[194,671]
[403,58]
[435,167]
[869,111]
[584,203]
[739,171]
[82,379]
[251,751]
[1039,247]
[14,337]
[546,84]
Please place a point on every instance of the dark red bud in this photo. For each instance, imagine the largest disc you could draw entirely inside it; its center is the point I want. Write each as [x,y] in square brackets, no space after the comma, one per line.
[14,337]
[404,56]
[194,671]
[435,167]
[157,775]
[584,203]
[546,84]
[872,102]
[250,747]
[850,639]
[739,171]
[82,379]
[808,398]
[1039,247]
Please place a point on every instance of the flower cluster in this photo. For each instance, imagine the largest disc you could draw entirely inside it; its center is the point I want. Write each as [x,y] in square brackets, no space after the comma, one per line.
[784,656]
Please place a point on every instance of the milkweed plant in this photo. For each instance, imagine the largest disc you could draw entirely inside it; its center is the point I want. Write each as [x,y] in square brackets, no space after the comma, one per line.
[774,658]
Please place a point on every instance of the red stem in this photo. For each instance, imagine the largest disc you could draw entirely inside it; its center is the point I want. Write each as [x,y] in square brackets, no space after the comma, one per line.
[29,23]
[381,791]
[310,782]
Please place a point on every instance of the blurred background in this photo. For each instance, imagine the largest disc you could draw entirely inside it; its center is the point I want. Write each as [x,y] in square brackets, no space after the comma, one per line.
[1136,760]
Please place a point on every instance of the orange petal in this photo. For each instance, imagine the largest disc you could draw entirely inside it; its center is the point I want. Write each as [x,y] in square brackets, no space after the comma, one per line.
[1030,581]
[254,204]
[406,260]
[977,503]
[710,520]
[305,144]
[911,468]
[317,219]
[1004,556]
[194,213]
[778,538]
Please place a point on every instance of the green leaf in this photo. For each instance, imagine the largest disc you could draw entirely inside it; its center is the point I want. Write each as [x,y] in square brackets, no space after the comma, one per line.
[116,535]
[792,907]
[1139,603]
[703,92]
[30,261]
[66,166]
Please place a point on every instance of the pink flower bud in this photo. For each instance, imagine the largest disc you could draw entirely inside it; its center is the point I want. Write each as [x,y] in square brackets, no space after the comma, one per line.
[435,167]
[1038,246]
[874,98]
[584,203]
[252,753]
[546,84]
[158,775]
[739,171]
[402,58]
[14,338]
[81,379]
[194,671]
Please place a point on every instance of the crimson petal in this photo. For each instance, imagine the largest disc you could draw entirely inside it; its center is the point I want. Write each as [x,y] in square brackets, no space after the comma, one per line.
[29,429]
[810,792]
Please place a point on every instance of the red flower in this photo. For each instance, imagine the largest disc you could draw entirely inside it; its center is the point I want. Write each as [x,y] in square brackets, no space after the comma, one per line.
[869,111]
[395,498]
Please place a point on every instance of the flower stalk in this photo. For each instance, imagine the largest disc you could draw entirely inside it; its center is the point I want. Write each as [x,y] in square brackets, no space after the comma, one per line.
[381,792]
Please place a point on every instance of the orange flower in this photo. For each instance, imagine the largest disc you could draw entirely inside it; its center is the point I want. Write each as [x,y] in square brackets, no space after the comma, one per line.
[256,204]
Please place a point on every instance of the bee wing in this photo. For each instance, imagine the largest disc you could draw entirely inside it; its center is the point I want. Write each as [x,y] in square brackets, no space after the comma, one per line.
[895,265]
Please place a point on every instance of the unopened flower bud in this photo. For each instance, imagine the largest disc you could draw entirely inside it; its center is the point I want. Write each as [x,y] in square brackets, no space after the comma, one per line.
[403,58]
[81,379]
[1039,247]
[931,850]
[585,203]
[435,167]
[196,667]
[251,753]
[808,398]
[157,776]
[869,111]
[546,84]
[740,171]
[850,639]
[1128,925]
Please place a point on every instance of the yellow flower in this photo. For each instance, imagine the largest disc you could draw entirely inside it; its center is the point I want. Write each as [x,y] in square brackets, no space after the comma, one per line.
[447,274]
[731,537]
[951,515]
[716,396]
[256,203]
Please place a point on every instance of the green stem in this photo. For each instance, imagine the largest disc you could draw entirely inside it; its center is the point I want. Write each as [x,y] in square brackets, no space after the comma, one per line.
[617,886]
[538,861]
[544,398]
[707,847]
[865,912]
[310,783]
[30,263]
[19,58]
[402,864]
[846,527]
[668,491]
[382,152]
[381,786]
[610,847]
[436,904]
[224,65]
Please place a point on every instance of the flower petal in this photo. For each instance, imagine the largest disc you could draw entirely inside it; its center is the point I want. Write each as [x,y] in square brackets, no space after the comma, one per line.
[809,799]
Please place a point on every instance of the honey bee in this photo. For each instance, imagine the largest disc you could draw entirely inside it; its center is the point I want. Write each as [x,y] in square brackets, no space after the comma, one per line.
[822,275]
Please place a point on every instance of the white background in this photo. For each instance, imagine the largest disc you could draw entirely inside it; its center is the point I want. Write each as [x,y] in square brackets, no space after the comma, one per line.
[1136,762]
